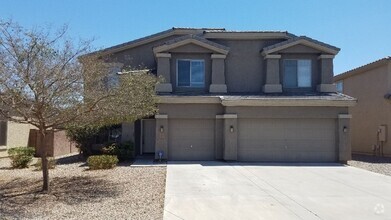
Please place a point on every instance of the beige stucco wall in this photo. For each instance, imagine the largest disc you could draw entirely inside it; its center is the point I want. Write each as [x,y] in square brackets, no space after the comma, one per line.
[18,134]
[372,108]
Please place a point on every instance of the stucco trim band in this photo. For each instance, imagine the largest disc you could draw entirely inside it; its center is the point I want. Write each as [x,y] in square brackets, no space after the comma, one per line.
[188,100]
[326,56]
[161,116]
[344,116]
[288,102]
[272,56]
[163,87]
[326,88]
[218,56]
[166,55]
[218,88]
[226,116]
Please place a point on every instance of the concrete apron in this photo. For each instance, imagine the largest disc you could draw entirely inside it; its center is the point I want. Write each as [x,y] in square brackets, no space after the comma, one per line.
[218,190]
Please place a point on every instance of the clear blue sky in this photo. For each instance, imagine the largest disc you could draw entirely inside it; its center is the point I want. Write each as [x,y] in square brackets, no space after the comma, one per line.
[361,28]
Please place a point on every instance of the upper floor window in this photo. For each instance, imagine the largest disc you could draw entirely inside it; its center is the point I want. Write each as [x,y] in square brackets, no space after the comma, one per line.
[297,73]
[190,73]
[339,86]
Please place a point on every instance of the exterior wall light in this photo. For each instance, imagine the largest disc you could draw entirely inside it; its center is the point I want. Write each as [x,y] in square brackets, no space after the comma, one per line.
[231,129]
[161,129]
[345,129]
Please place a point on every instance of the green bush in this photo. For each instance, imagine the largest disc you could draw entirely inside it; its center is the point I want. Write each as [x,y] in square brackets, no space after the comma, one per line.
[83,136]
[102,162]
[51,163]
[21,156]
[124,151]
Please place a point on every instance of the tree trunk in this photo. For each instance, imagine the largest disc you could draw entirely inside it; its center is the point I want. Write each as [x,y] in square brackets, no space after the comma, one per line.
[45,168]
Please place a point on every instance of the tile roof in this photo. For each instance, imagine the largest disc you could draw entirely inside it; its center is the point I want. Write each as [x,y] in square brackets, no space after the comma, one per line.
[362,68]
[170,31]
[294,39]
[199,31]
[195,37]
[263,96]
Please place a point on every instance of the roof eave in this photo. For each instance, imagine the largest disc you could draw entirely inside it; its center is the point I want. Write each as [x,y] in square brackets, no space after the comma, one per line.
[327,50]
[362,69]
[165,47]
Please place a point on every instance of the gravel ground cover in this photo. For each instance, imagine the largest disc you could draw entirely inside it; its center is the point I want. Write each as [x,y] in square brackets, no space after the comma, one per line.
[76,193]
[380,165]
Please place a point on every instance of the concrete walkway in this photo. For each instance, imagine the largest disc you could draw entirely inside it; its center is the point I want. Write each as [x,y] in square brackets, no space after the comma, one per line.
[218,190]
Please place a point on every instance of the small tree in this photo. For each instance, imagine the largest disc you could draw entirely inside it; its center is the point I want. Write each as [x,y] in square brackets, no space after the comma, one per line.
[43,83]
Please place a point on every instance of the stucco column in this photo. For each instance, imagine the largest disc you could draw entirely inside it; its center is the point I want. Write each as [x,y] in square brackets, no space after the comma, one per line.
[218,74]
[161,143]
[344,142]
[326,74]
[163,70]
[273,83]
[230,134]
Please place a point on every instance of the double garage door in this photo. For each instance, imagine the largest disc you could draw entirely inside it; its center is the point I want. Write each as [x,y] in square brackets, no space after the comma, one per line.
[278,140]
[287,140]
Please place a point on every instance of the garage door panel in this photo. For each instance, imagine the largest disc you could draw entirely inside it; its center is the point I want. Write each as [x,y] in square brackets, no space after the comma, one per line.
[287,140]
[191,139]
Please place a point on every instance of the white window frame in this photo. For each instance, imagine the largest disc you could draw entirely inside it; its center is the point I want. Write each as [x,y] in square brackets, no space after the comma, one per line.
[177,72]
[297,72]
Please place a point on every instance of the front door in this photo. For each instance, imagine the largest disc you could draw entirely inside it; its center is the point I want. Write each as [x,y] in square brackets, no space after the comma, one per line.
[148,140]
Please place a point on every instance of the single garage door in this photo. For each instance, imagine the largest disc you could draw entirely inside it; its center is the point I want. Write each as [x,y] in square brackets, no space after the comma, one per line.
[287,140]
[191,139]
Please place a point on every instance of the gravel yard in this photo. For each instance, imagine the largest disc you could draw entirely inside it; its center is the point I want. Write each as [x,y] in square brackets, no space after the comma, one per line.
[76,193]
[375,164]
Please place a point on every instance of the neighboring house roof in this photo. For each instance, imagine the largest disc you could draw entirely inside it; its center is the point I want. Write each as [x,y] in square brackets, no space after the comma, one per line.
[327,48]
[194,39]
[362,69]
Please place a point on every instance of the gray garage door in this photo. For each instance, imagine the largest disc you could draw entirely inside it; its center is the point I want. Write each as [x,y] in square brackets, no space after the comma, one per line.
[191,139]
[306,140]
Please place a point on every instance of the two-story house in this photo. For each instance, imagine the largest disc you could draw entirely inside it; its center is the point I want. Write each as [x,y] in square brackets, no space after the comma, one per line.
[239,96]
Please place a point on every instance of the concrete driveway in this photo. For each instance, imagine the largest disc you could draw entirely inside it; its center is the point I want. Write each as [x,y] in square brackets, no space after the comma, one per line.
[218,190]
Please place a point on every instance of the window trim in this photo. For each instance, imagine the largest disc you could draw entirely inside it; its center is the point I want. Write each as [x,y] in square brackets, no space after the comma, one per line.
[297,87]
[177,72]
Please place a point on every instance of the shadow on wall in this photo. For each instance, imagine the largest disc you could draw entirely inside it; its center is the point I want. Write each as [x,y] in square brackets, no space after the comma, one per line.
[21,198]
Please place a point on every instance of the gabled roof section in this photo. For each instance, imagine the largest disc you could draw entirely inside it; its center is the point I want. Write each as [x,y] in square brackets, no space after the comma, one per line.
[303,40]
[191,39]
[153,37]
[363,68]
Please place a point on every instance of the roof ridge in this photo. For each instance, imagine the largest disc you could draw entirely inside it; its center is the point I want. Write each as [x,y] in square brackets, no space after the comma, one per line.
[191,28]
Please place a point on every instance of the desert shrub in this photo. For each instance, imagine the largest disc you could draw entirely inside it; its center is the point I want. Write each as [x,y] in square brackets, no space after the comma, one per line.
[102,162]
[124,151]
[21,156]
[51,163]
[83,136]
